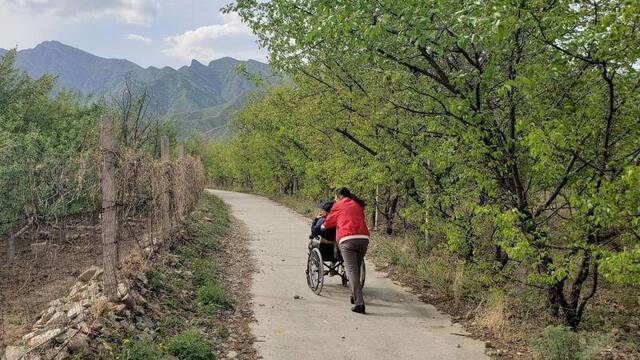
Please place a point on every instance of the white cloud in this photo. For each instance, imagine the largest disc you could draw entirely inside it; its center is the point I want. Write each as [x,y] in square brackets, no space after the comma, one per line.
[138,12]
[136,37]
[21,31]
[231,38]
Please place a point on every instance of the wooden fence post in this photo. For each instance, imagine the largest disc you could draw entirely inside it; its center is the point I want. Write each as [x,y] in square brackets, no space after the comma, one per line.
[164,148]
[108,185]
[180,150]
[165,200]
[179,185]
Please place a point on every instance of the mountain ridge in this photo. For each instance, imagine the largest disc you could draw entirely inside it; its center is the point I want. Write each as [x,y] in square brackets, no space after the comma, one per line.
[189,89]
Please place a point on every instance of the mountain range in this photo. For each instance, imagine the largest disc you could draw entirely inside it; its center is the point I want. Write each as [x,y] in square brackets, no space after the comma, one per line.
[199,98]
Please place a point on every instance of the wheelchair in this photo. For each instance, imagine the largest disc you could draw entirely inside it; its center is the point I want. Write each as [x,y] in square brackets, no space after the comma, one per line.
[324,259]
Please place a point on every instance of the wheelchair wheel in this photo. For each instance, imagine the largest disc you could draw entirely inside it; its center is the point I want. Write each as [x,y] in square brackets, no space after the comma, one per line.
[315,271]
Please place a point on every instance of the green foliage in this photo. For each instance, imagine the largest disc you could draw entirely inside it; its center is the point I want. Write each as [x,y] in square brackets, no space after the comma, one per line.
[497,128]
[46,150]
[189,345]
[561,343]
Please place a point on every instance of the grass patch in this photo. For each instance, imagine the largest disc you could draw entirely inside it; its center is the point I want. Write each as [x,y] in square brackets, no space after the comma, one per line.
[190,345]
[212,296]
[140,349]
[204,271]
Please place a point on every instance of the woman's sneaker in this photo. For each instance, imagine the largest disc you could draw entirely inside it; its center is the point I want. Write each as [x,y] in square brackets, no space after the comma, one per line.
[358,309]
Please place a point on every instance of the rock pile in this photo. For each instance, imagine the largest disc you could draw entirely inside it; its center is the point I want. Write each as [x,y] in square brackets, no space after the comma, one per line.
[68,324]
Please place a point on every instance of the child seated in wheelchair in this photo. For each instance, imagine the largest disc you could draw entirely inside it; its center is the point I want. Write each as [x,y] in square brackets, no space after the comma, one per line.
[324,239]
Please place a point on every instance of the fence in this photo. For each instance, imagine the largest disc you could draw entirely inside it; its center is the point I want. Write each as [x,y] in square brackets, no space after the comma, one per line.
[143,201]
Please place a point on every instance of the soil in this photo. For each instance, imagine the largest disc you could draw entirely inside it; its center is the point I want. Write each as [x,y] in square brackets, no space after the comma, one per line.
[238,268]
[43,273]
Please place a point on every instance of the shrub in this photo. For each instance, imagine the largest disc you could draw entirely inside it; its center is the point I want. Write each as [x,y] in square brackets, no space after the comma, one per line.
[189,345]
[561,343]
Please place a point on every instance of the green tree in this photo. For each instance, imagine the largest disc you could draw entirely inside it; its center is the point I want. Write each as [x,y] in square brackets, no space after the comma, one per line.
[512,126]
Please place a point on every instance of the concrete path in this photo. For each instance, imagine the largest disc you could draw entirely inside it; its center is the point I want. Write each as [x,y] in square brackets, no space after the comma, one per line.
[397,325]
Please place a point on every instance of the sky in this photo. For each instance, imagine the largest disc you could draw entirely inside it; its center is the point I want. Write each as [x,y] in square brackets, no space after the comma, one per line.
[148,32]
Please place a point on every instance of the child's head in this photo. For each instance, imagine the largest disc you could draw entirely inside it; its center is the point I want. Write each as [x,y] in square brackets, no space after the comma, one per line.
[326,207]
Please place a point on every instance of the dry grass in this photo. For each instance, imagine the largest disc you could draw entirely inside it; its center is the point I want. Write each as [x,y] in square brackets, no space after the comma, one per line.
[493,316]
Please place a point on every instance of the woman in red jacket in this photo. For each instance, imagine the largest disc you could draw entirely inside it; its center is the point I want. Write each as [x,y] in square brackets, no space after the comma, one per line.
[352,235]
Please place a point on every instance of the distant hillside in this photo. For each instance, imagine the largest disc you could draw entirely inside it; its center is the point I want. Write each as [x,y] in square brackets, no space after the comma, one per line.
[197,97]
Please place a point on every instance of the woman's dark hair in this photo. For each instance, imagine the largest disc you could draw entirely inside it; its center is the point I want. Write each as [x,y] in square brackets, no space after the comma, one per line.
[343,191]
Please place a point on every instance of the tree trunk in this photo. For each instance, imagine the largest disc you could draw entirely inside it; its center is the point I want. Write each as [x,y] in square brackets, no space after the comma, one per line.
[109,245]
[390,215]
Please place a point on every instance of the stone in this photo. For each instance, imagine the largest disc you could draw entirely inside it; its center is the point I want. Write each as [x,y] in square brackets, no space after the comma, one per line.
[232,355]
[28,336]
[123,290]
[129,301]
[139,299]
[58,320]
[14,352]
[98,275]
[88,274]
[143,278]
[146,322]
[62,355]
[119,309]
[46,316]
[75,311]
[84,328]
[92,290]
[78,343]
[55,303]
[77,291]
[45,337]
[57,354]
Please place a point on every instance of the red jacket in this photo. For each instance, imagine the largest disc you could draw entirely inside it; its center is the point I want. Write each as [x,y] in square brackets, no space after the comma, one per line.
[348,217]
